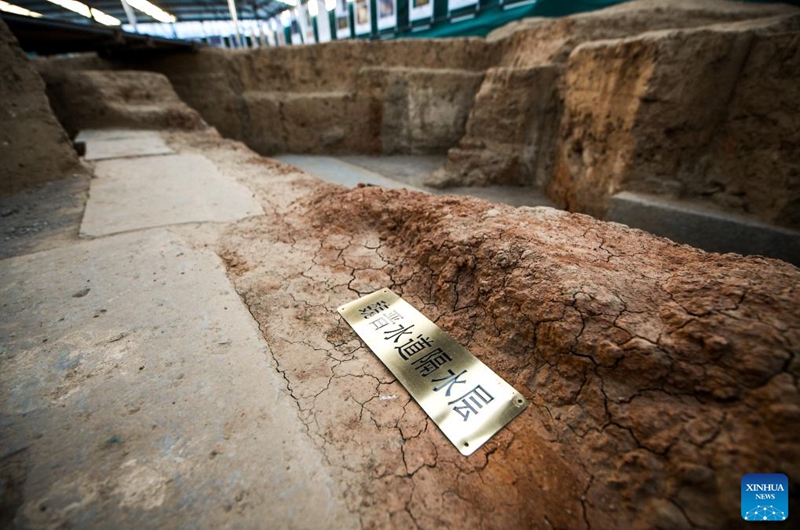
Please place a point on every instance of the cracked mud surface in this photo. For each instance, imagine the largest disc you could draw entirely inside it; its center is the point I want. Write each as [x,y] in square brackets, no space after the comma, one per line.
[658,374]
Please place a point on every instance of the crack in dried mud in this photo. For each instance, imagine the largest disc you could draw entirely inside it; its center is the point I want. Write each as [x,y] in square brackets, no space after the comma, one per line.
[649,378]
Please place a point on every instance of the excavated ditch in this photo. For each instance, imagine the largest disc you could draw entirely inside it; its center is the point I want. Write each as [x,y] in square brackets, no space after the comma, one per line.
[658,373]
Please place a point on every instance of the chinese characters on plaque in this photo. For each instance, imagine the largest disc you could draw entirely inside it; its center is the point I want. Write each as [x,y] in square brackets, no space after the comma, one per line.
[466,399]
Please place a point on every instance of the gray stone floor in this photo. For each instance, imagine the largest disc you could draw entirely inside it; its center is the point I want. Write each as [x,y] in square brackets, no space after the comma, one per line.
[340,171]
[90,438]
[704,225]
[42,218]
[405,171]
[118,447]
[135,193]
[104,145]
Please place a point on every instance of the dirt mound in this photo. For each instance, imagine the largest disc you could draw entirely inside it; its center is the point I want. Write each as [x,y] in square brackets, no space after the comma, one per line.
[651,364]
[657,372]
[33,146]
[117,98]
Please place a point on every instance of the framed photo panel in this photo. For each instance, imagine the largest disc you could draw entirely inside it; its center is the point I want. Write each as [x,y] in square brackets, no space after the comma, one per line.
[295,32]
[420,9]
[306,27]
[387,14]
[452,5]
[342,20]
[323,22]
[363,23]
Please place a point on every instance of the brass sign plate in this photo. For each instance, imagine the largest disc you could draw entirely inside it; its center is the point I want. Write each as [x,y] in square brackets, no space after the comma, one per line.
[466,399]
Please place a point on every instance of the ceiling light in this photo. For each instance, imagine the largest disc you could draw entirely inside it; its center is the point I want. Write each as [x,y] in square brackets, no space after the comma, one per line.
[77,7]
[152,11]
[11,8]
[86,11]
[105,19]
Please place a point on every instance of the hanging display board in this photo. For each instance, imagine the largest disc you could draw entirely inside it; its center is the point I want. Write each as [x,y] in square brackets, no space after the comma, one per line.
[342,20]
[277,31]
[466,399]
[280,35]
[270,35]
[295,33]
[323,22]
[420,9]
[306,27]
[363,24]
[387,14]
[452,5]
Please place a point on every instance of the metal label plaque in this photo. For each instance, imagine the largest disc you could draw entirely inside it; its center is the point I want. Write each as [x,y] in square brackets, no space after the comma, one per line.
[466,399]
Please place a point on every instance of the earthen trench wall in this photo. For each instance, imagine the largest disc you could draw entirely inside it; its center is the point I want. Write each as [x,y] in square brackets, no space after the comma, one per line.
[33,146]
[688,99]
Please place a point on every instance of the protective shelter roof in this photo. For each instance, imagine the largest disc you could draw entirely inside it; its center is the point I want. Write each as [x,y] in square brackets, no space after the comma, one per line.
[184,10]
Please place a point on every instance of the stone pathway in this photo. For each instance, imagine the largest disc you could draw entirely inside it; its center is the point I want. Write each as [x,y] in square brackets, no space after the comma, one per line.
[138,389]
[405,171]
[704,225]
[337,171]
[136,193]
[44,217]
[121,143]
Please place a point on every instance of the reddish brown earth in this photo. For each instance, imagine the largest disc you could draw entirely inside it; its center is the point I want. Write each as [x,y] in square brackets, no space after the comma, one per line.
[658,374]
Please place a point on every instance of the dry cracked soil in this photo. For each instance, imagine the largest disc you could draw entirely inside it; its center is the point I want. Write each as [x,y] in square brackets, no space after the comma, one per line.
[658,373]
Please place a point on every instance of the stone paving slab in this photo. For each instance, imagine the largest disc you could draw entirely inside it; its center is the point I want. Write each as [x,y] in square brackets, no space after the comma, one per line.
[112,134]
[337,171]
[405,171]
[703,226]
[143,143]
[131,194]
[139,393]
